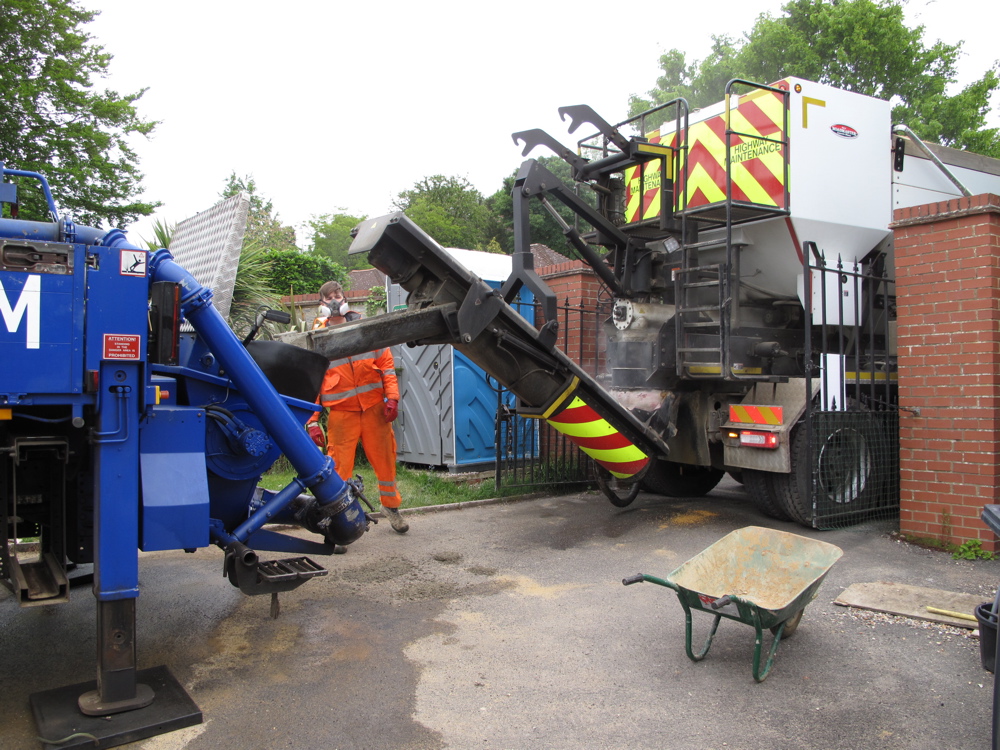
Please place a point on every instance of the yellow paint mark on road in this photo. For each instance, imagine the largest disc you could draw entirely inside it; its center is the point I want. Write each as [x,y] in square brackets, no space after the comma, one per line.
[690,518]
[531,587]
[667,553]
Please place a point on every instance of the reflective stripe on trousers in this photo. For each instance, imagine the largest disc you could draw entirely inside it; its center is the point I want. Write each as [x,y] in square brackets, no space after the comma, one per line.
[346,428]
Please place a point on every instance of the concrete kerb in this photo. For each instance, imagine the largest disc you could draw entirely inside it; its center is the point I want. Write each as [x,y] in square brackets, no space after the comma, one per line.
[498,500]
[470,504]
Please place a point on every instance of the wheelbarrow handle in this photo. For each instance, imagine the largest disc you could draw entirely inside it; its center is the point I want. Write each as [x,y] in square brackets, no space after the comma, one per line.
[640,577]
[721,602]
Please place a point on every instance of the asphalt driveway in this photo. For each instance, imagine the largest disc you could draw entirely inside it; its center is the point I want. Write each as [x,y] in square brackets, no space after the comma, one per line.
[506,626]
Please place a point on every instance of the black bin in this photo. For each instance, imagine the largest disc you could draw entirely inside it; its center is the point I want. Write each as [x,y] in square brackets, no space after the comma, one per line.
[987,619]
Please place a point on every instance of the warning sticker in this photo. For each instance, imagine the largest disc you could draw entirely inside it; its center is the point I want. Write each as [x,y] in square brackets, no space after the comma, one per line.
[133,262]
[121,346]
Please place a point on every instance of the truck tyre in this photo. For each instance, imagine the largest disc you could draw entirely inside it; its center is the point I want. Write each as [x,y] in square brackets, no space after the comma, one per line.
[758,487]
[680,480]
[846,467]
[792,491]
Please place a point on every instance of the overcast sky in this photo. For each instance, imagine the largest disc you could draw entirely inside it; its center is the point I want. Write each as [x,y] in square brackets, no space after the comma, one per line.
[339,106]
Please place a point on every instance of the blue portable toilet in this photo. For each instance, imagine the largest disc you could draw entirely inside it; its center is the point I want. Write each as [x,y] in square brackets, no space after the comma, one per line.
[447,411]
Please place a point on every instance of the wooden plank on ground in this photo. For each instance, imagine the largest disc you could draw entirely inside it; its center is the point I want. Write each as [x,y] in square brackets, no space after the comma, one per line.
[911,601]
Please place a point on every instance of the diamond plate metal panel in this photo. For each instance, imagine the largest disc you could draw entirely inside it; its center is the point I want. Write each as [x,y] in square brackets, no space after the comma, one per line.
[208,245]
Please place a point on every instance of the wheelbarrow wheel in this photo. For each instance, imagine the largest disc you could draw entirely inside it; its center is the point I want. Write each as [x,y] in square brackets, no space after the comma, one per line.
[791,624]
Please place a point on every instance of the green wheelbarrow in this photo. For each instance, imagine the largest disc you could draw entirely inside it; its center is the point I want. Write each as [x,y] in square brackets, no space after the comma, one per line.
[761,577]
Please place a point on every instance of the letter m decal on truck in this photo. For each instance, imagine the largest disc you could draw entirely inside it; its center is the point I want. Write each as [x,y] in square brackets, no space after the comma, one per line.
[27,308]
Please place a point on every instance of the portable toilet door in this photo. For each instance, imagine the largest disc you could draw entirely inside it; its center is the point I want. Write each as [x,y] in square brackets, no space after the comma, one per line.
[475,408]
[447,413]
[425,423]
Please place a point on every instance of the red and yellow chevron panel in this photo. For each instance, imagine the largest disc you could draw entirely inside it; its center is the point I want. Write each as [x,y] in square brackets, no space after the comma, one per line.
[643,183]
[757,165]
[599,440]
[744,414]
[642,194]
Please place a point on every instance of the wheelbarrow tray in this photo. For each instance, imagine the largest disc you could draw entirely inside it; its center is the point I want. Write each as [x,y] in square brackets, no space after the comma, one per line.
[757,576]
[766,573]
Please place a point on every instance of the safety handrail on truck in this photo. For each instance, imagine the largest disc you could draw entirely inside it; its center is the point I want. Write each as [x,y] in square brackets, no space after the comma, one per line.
[933,157]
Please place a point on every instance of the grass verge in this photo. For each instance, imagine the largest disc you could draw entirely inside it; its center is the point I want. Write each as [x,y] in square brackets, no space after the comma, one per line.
[418,487]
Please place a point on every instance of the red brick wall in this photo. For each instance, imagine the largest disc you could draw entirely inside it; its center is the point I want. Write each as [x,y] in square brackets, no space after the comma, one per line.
[948,298]
[573,282]
[576,285]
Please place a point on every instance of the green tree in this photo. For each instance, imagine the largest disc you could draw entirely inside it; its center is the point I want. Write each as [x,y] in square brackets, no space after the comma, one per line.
[700,83]
[544,229]
[293,272]
[857,45]
[450,210]
[376,302]
[53,121]
[264,228]
[331,239]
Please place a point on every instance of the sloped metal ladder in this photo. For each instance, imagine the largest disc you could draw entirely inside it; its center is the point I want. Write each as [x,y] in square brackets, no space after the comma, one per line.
[703,329]
[695,320]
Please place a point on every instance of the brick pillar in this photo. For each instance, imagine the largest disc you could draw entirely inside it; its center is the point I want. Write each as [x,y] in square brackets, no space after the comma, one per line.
[574,282]
[948,301]
[576,285]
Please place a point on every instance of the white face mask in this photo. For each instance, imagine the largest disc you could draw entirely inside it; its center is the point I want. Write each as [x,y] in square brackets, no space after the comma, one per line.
[325,311]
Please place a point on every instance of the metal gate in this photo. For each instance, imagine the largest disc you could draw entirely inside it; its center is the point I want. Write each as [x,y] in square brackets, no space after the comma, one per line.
[851,431]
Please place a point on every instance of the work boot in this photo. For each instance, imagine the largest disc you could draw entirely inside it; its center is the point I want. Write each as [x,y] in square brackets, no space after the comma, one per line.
[395,520]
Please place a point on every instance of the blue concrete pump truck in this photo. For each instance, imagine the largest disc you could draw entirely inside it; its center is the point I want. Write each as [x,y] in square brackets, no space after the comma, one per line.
[121,432]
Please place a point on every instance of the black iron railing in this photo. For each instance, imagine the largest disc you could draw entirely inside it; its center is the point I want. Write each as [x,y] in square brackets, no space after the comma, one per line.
[852,427]
[528,452]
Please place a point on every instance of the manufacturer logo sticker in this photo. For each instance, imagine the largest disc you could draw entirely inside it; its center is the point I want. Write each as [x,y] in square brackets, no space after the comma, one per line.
[844,131]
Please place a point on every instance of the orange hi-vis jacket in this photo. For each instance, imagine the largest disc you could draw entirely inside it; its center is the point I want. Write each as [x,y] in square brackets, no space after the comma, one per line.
[359,383]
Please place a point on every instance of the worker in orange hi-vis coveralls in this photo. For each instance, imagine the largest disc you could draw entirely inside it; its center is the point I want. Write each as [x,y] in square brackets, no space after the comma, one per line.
[362,396]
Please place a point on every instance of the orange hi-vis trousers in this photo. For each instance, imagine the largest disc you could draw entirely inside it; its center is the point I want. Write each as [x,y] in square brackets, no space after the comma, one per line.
[345,428]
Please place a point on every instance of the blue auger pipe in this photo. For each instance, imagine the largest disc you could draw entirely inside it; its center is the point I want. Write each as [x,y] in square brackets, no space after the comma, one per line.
[337,515]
